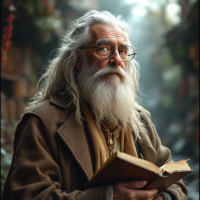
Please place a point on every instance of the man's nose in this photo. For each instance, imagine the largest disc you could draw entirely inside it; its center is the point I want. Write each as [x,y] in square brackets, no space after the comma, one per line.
[115,59]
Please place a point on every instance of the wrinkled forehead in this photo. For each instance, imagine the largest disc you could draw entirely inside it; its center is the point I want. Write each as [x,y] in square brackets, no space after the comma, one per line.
[109,32]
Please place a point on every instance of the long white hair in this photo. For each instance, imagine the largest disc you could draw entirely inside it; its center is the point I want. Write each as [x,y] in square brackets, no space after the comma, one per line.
[61,72]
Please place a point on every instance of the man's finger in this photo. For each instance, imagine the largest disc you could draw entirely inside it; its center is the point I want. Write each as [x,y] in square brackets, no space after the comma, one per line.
[143,194]
[134,184]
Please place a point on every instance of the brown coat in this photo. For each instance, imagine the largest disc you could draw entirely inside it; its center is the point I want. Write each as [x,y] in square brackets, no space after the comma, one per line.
[53,156]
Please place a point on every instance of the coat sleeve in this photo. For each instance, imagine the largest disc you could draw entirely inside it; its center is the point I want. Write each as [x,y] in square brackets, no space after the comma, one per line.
[178,191]
[34,173]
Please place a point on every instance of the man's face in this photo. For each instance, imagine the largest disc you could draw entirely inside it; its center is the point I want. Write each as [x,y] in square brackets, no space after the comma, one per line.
[114,35]
[104,83]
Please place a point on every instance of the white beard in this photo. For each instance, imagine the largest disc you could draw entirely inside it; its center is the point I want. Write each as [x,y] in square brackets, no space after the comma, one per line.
[113,99]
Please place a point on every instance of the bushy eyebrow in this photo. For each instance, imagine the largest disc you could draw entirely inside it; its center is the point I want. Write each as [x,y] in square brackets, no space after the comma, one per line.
[124,44]
[100,41]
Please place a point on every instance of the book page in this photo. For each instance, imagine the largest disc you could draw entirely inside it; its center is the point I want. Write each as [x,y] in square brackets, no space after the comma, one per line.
[139,162]
[176,166]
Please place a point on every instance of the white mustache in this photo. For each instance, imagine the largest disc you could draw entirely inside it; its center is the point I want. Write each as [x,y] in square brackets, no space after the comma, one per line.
[108,70]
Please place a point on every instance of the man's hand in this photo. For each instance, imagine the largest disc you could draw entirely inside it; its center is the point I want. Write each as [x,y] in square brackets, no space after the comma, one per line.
[130,191]
[158,197]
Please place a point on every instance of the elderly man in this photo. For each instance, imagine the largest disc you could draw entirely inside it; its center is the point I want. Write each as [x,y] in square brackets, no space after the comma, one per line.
[85,109]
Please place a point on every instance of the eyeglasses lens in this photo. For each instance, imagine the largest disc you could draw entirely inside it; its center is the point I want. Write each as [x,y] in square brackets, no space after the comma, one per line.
[126,53]
[105,50]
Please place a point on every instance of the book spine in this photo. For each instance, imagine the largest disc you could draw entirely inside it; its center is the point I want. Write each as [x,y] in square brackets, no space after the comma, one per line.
[94,179]
[152,184]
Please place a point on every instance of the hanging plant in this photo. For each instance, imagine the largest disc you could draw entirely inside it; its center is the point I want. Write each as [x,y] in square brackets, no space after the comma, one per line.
[7,33]
[34,21]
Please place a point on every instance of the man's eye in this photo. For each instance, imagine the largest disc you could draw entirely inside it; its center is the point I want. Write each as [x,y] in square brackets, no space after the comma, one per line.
[103,49]
[123,51]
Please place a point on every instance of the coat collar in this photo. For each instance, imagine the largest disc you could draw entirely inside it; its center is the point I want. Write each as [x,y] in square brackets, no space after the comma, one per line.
[73,135]
[58,100]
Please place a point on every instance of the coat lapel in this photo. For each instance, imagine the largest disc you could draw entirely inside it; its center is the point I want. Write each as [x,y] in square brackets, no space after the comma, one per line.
[146,148]
[74,137]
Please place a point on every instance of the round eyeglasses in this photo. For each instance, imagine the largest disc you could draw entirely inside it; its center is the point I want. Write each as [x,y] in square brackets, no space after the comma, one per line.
[106,50]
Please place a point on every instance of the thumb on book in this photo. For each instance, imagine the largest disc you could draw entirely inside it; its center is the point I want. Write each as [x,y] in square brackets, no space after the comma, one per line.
[134,184]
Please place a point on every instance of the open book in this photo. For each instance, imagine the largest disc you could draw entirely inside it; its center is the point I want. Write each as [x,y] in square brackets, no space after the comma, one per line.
[121,167]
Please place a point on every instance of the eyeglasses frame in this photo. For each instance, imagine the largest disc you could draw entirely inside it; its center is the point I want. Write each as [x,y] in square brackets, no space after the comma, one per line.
[112,51]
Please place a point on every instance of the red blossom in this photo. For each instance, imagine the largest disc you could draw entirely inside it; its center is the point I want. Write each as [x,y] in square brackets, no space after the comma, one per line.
[10,17]
[3,58]
[5,28]
[8,28]
[8,4]
[7,36]
[6,45]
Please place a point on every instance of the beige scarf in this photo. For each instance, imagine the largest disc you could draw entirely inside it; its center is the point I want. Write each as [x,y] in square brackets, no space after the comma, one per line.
[100,135]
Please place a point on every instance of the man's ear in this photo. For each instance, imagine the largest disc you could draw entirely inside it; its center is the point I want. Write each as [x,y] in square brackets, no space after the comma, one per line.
[78,63]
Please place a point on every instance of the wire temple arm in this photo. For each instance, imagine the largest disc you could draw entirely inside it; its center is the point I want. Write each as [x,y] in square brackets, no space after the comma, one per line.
[132,54]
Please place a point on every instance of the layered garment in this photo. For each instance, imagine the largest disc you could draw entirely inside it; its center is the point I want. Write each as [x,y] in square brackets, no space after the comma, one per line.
[54,157]
[103,143]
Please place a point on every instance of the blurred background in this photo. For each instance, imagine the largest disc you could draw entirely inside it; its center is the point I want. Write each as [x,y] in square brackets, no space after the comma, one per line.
[165,34]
